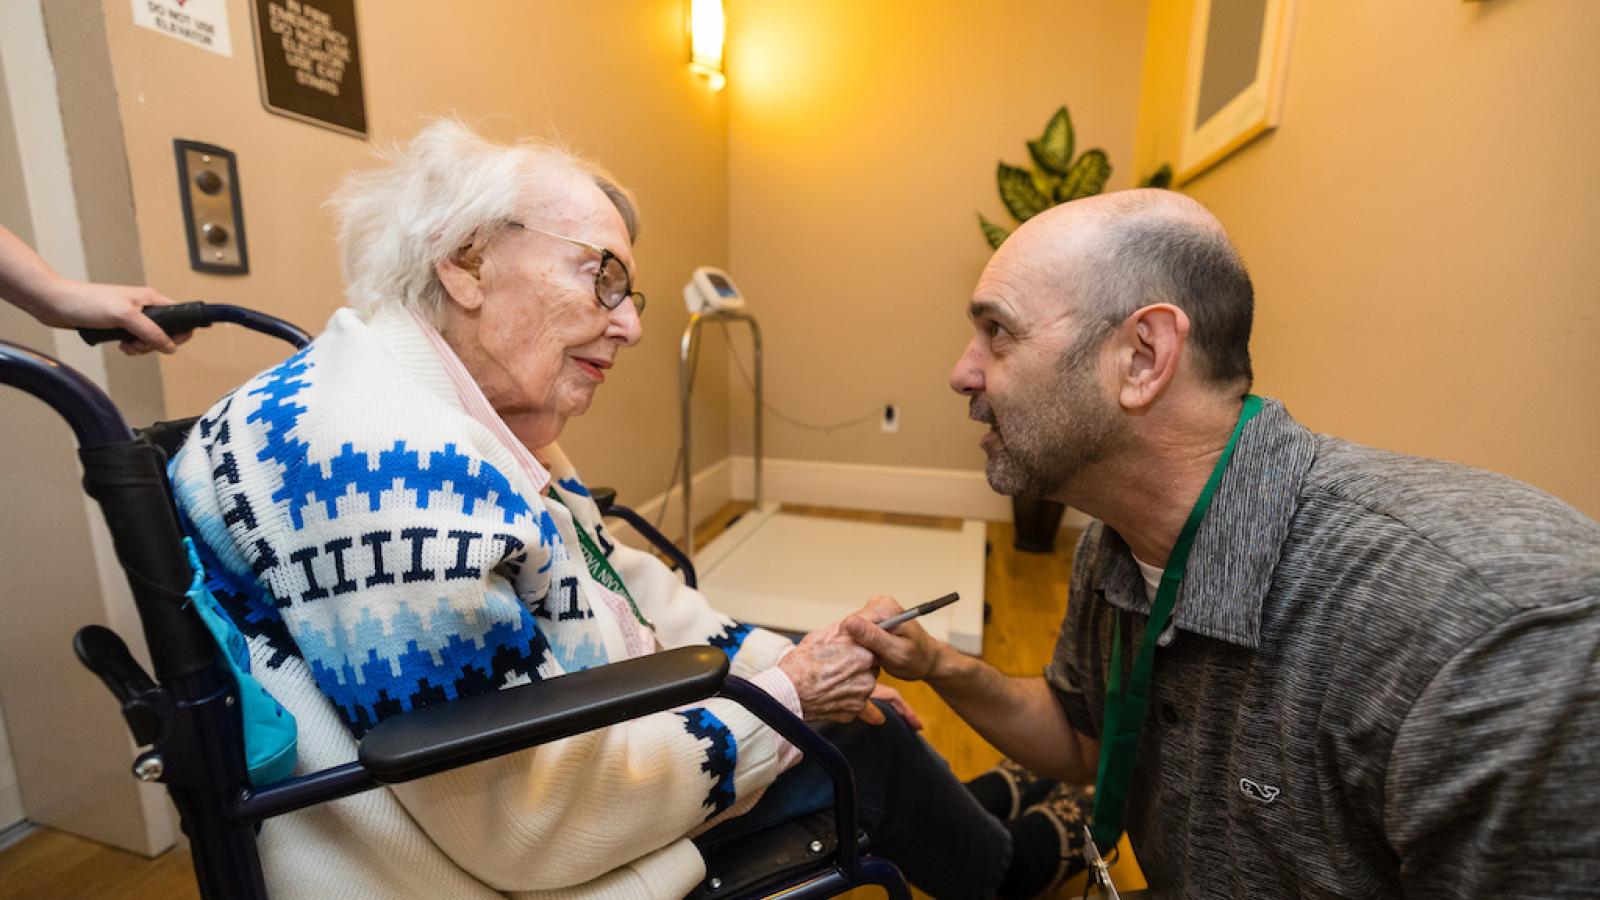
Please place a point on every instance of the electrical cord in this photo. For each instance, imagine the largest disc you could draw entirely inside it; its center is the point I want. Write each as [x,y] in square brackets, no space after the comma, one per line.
[808,426]
[749,382]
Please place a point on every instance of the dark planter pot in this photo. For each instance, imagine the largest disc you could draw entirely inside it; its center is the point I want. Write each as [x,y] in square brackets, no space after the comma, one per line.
[1036,522]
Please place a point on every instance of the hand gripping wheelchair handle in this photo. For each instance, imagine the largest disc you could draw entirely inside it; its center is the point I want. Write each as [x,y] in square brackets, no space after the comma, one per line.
[180,318]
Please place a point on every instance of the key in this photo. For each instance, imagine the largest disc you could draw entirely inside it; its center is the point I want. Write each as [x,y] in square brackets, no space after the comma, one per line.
[1099,871]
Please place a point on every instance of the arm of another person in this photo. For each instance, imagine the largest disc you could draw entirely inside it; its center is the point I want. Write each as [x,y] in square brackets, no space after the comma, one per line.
[27,281]
[1019,716]
[1491,789]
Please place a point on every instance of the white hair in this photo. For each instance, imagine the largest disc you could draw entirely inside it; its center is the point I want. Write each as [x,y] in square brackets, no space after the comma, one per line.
[435,196]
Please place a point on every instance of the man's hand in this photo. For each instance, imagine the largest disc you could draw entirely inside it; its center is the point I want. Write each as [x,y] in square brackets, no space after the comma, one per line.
[910,653]
[1019,716]
[832,675]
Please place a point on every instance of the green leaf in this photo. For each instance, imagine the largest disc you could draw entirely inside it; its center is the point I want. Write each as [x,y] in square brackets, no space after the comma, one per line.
[993,233]
[1020,195]
[1086,178]
[1160,178]
[1045,182]
[1053,151]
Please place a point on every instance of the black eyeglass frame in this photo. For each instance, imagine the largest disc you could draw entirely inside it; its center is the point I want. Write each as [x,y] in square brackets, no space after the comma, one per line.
[606,256]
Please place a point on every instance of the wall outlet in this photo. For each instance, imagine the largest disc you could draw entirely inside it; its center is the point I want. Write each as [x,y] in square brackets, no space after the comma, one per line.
[890,422]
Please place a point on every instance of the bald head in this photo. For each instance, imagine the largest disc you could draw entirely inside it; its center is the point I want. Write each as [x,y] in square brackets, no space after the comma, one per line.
[1107,256]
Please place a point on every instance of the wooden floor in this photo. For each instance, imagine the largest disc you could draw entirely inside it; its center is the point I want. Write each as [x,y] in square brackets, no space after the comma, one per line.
[1026,594]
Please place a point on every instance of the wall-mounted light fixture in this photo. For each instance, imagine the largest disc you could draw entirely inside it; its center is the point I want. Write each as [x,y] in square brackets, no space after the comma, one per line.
[707,32]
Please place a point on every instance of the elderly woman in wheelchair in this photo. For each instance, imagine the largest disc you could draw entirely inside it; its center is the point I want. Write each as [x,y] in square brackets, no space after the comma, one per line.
[388,520]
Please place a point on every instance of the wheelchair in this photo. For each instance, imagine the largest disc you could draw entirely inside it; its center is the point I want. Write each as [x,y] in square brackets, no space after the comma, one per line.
[187,715]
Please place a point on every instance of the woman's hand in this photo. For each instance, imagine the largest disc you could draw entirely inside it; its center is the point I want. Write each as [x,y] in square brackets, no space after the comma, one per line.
[29,282]
[79,304]
[832,675]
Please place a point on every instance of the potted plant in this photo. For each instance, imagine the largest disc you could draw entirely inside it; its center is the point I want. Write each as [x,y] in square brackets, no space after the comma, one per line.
[1055,177]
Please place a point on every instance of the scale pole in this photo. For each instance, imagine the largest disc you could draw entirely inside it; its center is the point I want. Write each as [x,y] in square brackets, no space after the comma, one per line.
[686,351]
[755,336]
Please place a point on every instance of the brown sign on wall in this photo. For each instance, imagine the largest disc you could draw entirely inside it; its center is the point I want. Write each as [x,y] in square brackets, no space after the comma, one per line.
[309,61]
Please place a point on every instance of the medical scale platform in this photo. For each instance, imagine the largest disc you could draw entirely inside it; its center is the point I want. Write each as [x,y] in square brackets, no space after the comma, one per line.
[797,573]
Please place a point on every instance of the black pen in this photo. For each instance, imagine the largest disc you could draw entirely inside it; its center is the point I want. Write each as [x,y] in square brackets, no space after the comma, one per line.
[920,610]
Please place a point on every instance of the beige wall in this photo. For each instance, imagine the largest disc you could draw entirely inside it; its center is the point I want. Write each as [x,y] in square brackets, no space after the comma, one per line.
[16,327]
[620,93]
[1423,227]
[103,195]
[70,746]
[624,97]
[863,139]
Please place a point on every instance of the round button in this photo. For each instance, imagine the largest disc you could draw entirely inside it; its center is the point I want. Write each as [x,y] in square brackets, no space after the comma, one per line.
[208,181]
[1168,714]
[216,235]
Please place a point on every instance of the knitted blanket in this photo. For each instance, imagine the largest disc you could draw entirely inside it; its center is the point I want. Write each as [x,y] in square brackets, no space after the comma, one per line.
[384,545]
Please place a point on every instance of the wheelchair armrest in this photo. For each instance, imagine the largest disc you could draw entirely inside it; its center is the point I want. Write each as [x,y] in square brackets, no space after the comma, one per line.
[472,729]
[603,498]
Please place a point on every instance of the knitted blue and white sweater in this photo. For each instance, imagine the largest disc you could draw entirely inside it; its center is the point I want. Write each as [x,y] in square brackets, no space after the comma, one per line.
[383,548]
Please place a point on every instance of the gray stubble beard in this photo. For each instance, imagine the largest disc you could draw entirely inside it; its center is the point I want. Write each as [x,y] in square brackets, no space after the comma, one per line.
[1057,430]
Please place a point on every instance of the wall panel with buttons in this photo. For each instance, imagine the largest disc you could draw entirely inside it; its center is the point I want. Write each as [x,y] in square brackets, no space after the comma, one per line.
[212,214]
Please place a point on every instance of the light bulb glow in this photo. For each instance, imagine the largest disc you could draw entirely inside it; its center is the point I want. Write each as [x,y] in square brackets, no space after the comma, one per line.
[707,31]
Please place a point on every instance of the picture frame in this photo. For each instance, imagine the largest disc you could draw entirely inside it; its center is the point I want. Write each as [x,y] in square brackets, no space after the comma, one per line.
[308,62]
[1234,82]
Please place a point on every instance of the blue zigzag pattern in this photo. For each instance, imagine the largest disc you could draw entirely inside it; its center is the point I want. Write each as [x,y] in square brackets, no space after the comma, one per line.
[397,674]
[352,467]
[243,599]
[731,639]
[475,481]
[573,486]
[279,386]
[475,659]
[721,755]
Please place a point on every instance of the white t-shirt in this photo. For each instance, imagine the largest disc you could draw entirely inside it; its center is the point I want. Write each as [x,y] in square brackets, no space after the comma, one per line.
[1152,578]
[1152,581]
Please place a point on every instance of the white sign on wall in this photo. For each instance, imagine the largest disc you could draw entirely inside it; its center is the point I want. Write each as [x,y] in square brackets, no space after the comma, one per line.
[203,23]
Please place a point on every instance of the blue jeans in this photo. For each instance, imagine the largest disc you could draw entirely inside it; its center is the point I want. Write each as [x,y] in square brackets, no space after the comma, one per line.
[916,813]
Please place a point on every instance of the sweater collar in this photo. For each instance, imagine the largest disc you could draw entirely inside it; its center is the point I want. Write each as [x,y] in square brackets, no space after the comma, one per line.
[1240,540]
[426,355]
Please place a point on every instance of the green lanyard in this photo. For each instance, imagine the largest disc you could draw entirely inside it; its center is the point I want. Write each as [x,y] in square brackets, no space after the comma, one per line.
[599,567]
[1125,708]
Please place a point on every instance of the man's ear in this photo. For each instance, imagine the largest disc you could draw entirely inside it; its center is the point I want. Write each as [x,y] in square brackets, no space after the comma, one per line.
[1150,347]
[460,275]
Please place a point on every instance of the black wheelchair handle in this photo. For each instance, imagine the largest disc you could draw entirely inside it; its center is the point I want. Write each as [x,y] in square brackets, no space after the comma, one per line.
[178,318]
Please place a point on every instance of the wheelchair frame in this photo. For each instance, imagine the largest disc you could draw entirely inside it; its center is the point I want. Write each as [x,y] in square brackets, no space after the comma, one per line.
[188,716]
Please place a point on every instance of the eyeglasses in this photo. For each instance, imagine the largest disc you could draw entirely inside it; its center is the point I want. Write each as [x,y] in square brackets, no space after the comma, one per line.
[612,282]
